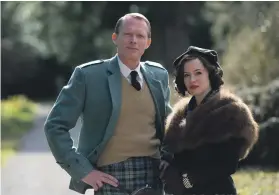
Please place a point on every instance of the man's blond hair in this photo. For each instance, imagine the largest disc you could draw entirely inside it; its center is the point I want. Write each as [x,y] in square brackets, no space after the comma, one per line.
[136,16]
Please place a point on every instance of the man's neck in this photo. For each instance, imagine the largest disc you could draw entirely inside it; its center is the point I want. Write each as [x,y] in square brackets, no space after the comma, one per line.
[131,64]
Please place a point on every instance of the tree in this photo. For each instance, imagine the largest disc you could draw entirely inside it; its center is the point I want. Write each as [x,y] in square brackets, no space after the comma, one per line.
[246,34]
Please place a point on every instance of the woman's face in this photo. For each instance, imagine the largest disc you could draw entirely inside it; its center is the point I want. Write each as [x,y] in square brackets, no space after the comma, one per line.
[196,77]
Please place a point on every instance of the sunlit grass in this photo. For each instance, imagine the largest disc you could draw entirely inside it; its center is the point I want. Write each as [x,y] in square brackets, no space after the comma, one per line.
[257,182]
[17,114]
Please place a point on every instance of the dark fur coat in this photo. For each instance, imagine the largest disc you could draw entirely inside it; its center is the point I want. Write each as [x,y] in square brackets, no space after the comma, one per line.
[222,116]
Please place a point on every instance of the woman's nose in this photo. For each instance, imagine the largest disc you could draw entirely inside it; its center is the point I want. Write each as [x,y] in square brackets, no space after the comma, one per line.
[192,78]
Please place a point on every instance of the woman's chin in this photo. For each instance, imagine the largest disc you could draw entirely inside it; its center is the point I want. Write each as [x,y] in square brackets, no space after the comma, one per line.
[194,92]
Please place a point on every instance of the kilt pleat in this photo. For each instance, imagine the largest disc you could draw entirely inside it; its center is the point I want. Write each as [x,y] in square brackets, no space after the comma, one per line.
[132,174]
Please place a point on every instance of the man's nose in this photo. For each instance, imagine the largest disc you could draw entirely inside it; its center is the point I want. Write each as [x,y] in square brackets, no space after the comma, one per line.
[133,39]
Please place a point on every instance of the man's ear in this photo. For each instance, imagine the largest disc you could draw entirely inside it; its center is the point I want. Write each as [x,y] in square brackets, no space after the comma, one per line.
[148,43]
[114,37]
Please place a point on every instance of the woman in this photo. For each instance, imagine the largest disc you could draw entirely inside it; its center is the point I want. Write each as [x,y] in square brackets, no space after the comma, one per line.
[207,135]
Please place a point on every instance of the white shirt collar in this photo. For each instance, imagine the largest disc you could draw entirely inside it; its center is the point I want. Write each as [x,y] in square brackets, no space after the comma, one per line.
[126,71]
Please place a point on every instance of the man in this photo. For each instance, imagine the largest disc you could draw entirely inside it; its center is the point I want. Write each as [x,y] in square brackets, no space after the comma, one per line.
[123,103]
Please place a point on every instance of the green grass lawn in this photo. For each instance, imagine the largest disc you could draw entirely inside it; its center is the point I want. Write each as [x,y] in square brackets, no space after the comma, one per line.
[17,115]
[257,182]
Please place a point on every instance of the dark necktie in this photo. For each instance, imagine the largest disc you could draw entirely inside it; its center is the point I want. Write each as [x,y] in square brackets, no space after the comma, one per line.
[134,80]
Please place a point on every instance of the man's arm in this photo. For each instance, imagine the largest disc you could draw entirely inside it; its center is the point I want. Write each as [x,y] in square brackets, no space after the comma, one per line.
[61,119]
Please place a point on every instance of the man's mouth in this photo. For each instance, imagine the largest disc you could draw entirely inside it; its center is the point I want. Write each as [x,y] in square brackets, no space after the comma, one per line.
[131,48]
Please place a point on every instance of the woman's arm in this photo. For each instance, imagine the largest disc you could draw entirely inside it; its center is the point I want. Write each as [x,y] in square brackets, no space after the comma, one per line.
[212,161]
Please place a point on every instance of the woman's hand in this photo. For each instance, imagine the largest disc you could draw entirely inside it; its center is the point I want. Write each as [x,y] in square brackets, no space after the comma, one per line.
[172,179]
[163,165]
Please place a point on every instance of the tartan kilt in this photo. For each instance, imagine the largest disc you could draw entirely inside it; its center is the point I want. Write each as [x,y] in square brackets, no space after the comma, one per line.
[132,174]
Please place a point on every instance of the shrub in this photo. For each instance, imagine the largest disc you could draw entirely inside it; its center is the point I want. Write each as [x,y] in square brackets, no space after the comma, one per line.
[264,102]
[266,151]
[17,115]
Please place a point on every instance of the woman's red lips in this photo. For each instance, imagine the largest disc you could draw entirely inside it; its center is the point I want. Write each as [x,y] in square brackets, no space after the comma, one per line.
[194,86]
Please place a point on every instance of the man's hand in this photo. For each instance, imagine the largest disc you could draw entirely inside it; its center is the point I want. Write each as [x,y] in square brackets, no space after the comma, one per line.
[97,179]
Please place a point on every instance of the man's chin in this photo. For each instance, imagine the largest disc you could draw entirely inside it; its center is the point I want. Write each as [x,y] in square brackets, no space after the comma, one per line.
[133,56]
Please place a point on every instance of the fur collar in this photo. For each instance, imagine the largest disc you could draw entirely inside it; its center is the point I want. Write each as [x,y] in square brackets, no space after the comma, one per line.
[222,116]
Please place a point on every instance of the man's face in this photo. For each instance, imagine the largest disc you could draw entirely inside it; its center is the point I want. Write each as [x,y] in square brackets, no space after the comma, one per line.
[132,39]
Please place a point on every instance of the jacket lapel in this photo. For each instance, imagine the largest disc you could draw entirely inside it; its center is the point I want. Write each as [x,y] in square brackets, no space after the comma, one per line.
[114,83]
[157,95]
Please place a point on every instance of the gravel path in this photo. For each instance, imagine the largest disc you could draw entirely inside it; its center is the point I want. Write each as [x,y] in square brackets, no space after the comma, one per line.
[33,171]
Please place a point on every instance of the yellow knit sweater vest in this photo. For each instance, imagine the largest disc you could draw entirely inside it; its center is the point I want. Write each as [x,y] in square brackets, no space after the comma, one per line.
[135,132]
